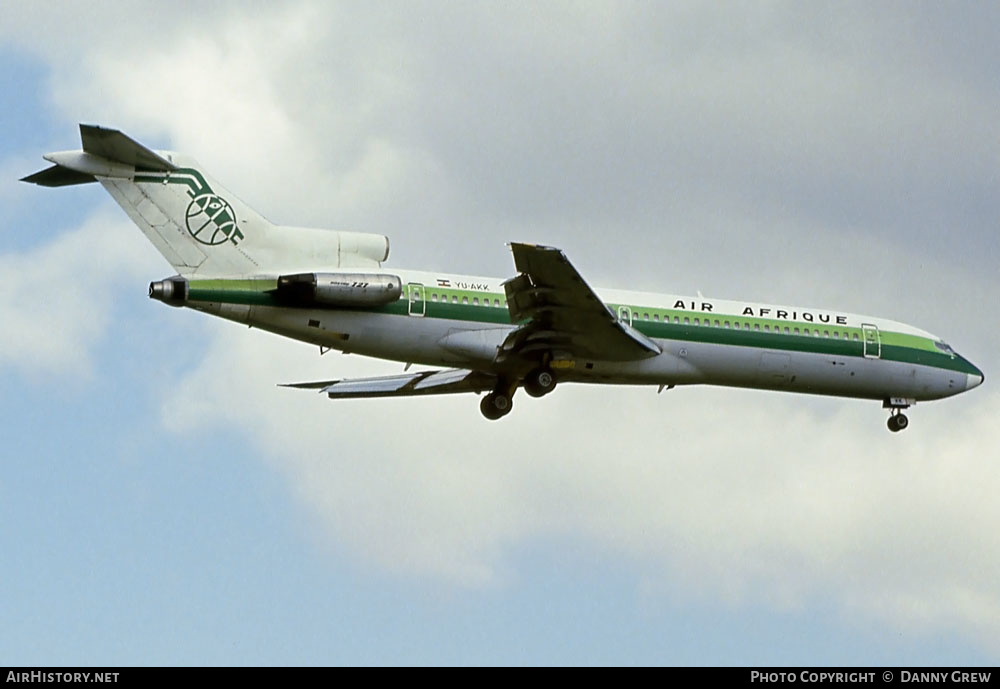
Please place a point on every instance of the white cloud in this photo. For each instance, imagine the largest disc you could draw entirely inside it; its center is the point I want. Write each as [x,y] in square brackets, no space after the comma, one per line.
[369,472]
[740,496]
[13,196]
[56,298]
[643,139]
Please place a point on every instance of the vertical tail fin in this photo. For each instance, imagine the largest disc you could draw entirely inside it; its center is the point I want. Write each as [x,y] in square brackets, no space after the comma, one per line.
[199,226]
[196,224]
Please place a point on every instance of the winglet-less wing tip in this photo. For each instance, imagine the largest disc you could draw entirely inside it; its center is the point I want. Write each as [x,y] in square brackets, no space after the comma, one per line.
[315,385]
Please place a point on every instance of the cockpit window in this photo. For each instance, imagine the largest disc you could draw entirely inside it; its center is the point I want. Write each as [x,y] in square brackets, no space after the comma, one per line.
[945,347]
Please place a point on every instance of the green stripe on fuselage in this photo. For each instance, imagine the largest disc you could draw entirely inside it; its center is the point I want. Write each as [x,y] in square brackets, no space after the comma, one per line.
[458,305]
[255,292]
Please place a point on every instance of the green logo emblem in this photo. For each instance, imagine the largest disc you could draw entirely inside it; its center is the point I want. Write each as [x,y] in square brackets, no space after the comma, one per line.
[209,218]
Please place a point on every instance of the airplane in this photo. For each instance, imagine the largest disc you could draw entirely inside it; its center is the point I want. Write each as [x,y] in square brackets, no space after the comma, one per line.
[543,327]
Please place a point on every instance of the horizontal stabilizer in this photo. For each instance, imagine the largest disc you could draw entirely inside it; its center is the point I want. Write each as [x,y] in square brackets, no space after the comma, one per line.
[115,146]
[444,382]
[106,153]
[58,176]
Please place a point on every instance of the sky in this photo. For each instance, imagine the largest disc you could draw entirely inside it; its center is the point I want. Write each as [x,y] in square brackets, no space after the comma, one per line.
[162,502]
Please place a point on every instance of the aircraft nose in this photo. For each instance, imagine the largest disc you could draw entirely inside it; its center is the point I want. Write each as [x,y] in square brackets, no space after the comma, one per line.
[974,380]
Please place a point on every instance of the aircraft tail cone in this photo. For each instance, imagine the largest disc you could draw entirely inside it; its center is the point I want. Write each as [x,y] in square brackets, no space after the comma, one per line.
[173,291]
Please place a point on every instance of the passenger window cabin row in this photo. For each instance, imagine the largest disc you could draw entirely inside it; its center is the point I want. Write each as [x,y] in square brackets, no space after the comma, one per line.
[475,301]
[677,320]
[755,327]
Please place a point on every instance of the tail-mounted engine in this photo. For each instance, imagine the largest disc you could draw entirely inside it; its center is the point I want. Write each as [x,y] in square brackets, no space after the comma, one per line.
[339,289]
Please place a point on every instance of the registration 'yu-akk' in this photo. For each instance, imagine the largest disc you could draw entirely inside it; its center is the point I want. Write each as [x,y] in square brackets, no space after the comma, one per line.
[542,327]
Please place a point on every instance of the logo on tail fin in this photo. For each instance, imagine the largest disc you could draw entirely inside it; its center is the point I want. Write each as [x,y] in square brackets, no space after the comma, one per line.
[209,217]
[210,220]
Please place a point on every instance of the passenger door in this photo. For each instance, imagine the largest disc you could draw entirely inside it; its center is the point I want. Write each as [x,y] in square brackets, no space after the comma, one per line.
[873,342]
[416,299]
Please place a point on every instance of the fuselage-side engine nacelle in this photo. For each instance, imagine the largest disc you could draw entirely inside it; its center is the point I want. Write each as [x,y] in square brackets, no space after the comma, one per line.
[339,289]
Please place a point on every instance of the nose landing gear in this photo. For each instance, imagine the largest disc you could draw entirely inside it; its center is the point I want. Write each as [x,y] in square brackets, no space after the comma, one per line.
[898,421]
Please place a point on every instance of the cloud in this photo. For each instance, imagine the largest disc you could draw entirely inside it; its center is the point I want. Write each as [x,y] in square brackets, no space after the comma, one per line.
[749,149]
[724,495]
[56,298]
[660,116]
[391,497]
[13,196]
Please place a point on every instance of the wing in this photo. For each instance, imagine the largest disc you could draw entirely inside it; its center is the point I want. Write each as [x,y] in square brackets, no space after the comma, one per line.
[559,312]
[407,385]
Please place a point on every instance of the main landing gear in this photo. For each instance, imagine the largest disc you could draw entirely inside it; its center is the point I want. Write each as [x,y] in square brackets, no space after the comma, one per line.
[497,404]
[540,382]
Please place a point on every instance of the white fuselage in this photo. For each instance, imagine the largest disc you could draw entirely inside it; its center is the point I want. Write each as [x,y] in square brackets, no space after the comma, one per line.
[413,333]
